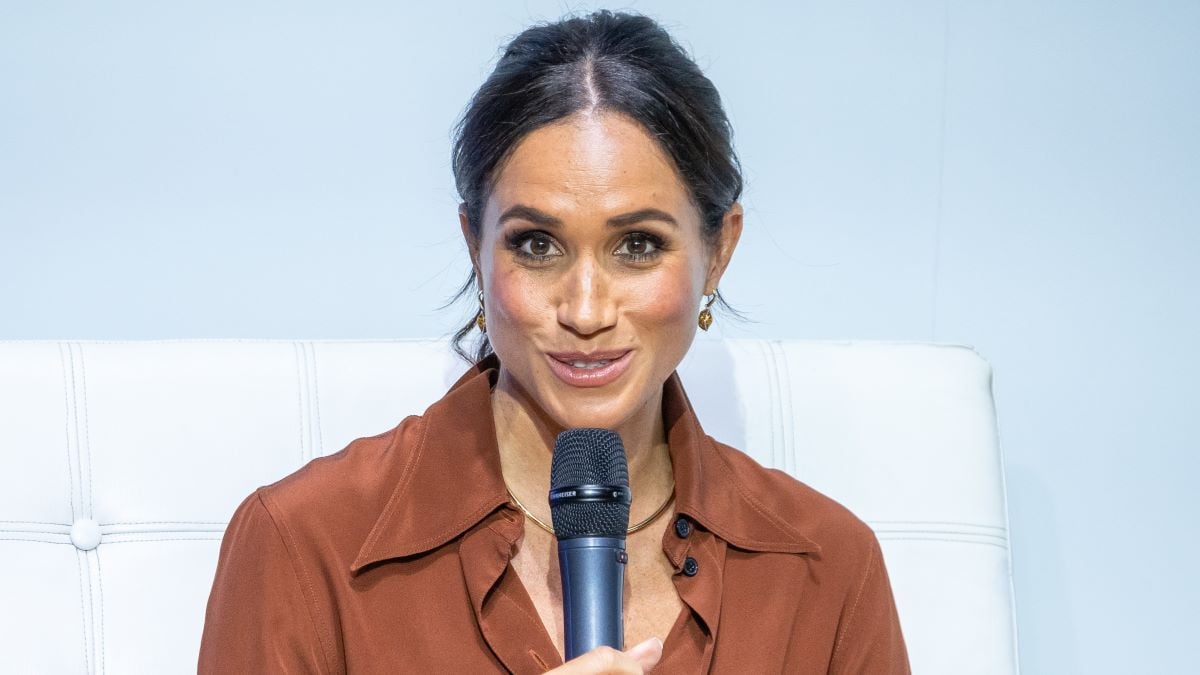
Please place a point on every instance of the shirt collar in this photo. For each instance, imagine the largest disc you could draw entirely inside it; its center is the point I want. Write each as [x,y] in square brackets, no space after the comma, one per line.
[717,493]
[452,478]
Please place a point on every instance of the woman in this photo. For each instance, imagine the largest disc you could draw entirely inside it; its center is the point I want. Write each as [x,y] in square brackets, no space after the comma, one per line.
[600,191]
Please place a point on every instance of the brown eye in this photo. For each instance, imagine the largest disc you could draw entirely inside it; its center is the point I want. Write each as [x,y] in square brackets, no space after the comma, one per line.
[535,246]
[639,246]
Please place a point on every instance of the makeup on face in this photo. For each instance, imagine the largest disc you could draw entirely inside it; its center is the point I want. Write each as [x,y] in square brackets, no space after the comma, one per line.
[593,265]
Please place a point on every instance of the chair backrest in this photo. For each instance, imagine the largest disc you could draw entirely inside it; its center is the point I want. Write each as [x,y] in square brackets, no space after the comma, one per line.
[121,462]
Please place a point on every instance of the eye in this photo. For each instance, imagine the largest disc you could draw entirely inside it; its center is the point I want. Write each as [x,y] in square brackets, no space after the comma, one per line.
[536,245]
[638,246]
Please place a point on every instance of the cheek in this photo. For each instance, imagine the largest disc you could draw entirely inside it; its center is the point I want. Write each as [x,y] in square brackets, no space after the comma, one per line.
[665,300]
[514,297]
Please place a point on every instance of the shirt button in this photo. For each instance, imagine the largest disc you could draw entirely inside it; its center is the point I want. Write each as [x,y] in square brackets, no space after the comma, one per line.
[690,567]
[683,528]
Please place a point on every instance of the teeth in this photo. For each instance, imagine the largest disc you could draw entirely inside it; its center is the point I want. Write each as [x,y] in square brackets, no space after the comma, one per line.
[589,364]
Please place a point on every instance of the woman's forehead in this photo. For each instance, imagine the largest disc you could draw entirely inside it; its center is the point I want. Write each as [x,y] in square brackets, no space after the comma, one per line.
[599,165]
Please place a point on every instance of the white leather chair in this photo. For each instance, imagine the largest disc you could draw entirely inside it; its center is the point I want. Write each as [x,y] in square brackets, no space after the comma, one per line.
[120,463]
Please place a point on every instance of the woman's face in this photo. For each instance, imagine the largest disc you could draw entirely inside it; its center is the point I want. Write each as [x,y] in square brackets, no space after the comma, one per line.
[593,267]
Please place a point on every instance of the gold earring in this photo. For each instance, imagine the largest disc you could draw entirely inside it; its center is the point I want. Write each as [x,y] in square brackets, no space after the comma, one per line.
[480,321]
[706,317]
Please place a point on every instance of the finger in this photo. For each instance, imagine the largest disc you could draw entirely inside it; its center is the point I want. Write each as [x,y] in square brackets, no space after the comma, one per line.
[647,653]
[605,661]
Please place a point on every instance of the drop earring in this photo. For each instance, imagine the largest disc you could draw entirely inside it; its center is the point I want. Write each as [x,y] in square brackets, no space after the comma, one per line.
[706,317]
[480,320]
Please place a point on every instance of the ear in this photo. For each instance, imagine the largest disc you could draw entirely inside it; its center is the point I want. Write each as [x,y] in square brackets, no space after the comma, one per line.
[464,223]
[731,232]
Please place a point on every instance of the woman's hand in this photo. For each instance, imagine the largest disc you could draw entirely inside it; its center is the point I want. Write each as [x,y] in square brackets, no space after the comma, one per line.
[607,661]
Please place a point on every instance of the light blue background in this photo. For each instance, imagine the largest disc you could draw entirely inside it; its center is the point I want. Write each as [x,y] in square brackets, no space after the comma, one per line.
[1018,176]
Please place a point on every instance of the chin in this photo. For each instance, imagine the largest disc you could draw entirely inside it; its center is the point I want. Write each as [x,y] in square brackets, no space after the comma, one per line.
[595,409]
[577,420]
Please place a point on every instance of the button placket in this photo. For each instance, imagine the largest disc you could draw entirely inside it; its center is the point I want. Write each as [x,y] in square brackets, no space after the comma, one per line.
[701,594]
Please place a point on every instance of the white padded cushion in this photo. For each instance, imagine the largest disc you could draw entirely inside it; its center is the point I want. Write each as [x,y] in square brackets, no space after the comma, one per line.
[151,445]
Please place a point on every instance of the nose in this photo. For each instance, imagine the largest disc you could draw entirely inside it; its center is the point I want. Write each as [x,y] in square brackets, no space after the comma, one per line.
[586,305]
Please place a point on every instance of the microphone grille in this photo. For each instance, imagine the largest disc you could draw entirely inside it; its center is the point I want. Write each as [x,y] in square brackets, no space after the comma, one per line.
[589,457]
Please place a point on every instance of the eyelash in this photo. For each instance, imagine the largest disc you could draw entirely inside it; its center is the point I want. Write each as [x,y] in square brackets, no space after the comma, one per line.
[517,241]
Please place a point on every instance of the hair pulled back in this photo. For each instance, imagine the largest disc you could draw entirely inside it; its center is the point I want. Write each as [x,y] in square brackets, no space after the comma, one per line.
[603,62]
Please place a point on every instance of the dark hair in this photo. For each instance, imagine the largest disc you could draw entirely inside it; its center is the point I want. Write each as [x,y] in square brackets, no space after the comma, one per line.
[624,63]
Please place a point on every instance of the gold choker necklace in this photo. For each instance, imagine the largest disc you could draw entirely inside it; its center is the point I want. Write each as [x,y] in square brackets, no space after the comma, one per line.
[632,528]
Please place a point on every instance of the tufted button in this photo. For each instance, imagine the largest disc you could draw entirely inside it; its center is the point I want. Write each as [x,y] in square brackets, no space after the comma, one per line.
[682,527]
[690,567]
[85,534]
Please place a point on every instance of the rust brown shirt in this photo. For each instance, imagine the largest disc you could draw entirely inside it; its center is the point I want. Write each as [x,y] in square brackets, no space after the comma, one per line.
[393,556]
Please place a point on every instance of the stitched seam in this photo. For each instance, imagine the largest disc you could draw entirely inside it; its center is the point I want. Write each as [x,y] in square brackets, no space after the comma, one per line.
[91,608]
[492,528]
[854,608]
[946,532]
[312,350]
[771,407]
[537,620]
[537,658]
[132,541]
[87,659]
[934,522]
[302,355]
[34,522]
[790,417]
[299,399]
[68,412]
[121,531]
[947,539]
[161,522]
[100,585]
[773,387]
[778,443]
[86,446]
[301,577]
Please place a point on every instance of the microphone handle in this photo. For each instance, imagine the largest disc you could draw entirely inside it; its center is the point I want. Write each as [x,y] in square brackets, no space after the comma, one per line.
[593,578]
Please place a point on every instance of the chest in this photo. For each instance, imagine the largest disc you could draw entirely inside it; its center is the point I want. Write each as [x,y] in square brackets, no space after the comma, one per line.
[461,609]
[650,600]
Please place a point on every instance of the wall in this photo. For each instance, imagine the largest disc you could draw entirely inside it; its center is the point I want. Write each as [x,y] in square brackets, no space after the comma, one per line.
[1018,176]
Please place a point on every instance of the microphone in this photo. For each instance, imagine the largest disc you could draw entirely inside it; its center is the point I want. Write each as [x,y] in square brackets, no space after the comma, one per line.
[589,504]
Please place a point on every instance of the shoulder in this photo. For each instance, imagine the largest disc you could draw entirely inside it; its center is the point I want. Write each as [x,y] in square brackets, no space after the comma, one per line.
[331,502]
[355,473]
[843,539]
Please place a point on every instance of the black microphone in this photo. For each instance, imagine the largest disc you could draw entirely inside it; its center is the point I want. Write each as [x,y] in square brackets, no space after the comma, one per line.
[589,502]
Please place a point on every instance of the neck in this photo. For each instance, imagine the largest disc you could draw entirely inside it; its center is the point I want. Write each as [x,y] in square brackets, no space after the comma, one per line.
[526,436]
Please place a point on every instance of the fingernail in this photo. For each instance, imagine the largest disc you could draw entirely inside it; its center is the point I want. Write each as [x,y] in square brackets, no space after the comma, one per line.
[649,646]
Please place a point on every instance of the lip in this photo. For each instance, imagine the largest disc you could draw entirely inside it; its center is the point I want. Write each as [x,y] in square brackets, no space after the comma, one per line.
[590,377]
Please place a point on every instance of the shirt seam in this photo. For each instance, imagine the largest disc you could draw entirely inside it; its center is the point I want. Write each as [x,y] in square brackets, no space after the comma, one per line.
[289,542]
[853,614]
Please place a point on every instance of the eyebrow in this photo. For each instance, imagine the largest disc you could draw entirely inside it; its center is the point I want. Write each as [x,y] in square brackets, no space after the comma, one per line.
[539,217]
